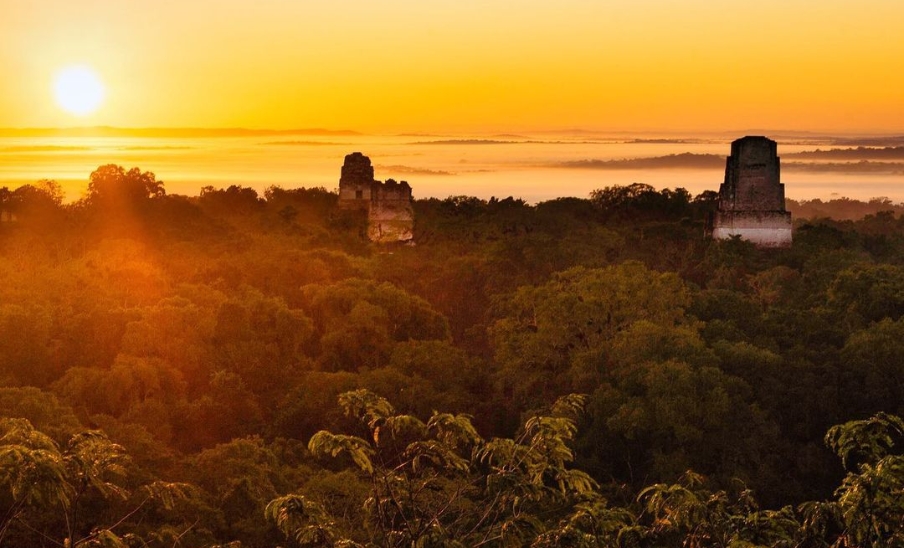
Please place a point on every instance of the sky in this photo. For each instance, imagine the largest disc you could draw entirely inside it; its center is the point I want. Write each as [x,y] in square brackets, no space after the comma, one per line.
[462,65]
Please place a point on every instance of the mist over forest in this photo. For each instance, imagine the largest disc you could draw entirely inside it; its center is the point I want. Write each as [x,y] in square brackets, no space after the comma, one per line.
[244,369]
[483,164]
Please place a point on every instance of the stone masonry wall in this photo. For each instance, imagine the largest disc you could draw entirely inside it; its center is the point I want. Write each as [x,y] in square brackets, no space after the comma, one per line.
[391,216]
[763,228]
[752,197]
[356,182]
[752,177]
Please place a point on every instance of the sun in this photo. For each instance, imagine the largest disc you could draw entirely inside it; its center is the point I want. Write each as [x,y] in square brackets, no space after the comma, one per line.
[78,90]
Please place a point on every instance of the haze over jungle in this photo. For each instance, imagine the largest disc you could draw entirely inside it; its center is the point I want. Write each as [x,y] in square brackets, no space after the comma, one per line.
[535,166]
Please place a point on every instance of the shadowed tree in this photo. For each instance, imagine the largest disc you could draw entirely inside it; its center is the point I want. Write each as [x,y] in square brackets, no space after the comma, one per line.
[869,509]
[44,195]
[39,204]
[439,483]
[69,494]
[555,338]
[122,193]
[867,293]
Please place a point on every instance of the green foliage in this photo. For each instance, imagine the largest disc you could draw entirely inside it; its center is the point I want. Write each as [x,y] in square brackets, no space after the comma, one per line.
[67,493]
[42,409]
[94,462]
[667,417]
[31,466]
[554,338]
[440,483]
[638,200]
[870,364]
[324,443]
[359,321]
[237,480]
[168,494]
[523,493]
[869,440]
[231,201]
[593,524]
[869,506]
[688,514]
[262,341]
[24,337]
[305,521]
[208,335]
[868,293]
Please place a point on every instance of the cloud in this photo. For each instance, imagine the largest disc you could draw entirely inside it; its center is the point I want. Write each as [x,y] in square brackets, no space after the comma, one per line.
[887,141]
[174,132]
[685,160]
[665,141]
[156,148]
[467,142]
[408,170]
[504,142]
[863,166]
[859,153]
[688,160]
[18,149]
[303,143]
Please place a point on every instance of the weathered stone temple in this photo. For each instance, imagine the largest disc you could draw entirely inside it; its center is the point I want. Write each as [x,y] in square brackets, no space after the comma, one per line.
[390,215]
[752,198]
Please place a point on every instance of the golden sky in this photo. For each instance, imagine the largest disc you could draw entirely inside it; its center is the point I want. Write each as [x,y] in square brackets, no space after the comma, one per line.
[462,65]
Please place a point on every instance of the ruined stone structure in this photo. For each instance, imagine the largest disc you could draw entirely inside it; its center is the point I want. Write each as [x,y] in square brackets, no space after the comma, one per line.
[390,215]
[356,183]
[752,198]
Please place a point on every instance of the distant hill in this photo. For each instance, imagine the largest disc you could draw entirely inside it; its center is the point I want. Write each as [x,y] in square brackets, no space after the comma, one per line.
[674,161]
[859,153]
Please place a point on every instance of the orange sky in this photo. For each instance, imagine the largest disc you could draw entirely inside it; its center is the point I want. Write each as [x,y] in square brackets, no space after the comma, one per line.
[465,65]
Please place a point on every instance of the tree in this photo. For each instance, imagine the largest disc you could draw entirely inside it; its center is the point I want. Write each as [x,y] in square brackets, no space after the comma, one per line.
[639,200]
[869,510]
[302,205]
[867,293]
[227,410]
[24,340]
[688,514]
[238,479]
[359,321]
[232,201]
[555,338]
[42,409]
[122,192]
[38,204]
[871,373]
[262,340]
[44,196]
[5,200]
[658,419]
[69,494]
[32,471]
[439,483]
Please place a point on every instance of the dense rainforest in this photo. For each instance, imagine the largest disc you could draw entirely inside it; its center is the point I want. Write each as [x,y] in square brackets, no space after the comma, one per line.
[241,370]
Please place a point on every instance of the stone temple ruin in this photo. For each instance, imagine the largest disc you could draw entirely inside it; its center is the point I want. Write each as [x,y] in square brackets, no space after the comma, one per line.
[390,215]
[752,200]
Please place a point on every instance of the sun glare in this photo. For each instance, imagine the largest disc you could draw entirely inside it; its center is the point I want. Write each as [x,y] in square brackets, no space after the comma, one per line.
[78,90]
